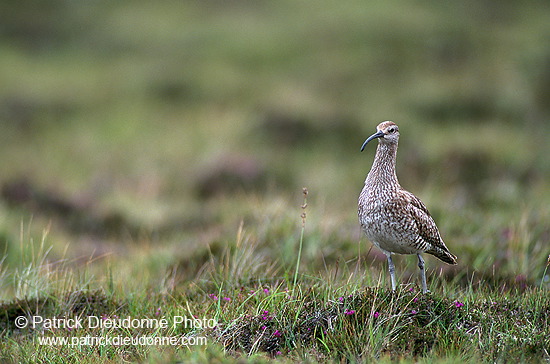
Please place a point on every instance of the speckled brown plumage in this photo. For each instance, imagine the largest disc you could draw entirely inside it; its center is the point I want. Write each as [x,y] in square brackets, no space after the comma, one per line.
[395,220]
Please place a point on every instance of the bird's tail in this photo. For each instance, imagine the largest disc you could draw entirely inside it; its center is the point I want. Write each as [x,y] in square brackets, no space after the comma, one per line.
[442,254]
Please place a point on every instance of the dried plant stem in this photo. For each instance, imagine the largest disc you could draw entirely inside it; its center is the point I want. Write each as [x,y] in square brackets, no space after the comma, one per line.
[304,206]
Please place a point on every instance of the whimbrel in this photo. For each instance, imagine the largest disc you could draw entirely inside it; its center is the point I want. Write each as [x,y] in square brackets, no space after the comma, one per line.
[395,220]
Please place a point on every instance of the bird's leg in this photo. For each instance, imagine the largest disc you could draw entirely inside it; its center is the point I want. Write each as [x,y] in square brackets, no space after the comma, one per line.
[391,268]
[422,273]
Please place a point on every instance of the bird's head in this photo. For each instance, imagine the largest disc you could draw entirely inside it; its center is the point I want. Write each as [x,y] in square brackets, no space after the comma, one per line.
[387,132]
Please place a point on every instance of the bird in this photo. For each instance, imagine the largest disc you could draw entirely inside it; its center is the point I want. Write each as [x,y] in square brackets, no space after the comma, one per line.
[393,219]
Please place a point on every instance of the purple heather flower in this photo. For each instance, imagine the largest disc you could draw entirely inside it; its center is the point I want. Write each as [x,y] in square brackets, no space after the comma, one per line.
[227,299]
[266,290]
[415,299]
[458,304]
[349,312]
[277,333]
[157,312]
[376,314]
[414,312]
[341,299]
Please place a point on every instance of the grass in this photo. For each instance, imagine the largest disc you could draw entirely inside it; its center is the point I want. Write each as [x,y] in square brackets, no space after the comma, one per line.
[253,305]
[153,159]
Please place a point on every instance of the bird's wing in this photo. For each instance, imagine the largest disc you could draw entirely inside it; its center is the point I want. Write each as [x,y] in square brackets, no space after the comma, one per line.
[423,220]
[427,229]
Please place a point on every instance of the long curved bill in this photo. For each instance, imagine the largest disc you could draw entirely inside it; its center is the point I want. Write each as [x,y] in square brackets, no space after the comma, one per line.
[379,134]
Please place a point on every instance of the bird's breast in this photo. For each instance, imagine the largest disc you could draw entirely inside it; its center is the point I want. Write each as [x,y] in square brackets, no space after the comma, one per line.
[384,224]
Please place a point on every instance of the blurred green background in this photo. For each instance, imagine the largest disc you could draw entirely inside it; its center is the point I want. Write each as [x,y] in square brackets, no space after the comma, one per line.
[167,123]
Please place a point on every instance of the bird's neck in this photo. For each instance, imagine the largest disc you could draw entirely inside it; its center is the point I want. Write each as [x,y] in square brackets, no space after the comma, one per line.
[382,172]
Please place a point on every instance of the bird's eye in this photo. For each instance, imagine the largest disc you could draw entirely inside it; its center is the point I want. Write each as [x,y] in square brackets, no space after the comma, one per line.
[391,130]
